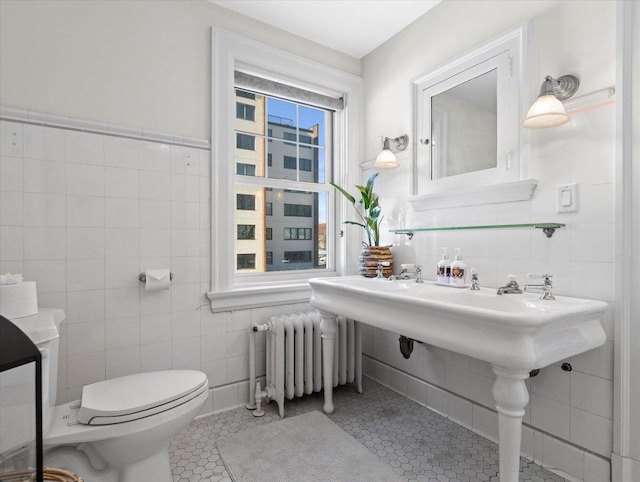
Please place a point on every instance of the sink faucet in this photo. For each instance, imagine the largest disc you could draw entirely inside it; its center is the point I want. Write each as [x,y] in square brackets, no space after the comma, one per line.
[545,287]
[404,274]
[511,287]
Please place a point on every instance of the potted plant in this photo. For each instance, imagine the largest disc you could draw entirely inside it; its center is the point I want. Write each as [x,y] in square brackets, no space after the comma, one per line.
[370,218]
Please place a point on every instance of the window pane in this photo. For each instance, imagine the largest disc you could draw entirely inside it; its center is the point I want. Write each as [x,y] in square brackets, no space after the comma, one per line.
[246,202]
[283,160]
[279,229]
[245,169]
[319,154]
[244,94]
[246,142]
[246,231]
[302,230]
[312,125]
[246,261]
[245,111]
[299,238]
[281,118]
[249,151]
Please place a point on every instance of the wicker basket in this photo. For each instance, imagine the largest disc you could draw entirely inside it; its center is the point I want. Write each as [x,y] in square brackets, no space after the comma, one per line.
[49,474]
[371,256]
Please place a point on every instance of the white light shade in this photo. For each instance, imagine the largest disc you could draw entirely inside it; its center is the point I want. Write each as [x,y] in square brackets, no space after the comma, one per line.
[385,160]
[547,111]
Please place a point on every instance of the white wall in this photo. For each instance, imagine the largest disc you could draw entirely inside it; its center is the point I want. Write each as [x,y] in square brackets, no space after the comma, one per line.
[143,64]
[572,37]
[82,214]
[635,240]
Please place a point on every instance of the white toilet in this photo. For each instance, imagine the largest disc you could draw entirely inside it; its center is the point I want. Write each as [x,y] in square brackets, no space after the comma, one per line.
[121,428]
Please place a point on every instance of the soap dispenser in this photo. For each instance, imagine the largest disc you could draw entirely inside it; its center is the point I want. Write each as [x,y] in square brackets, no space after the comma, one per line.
[443,268]
[458,271]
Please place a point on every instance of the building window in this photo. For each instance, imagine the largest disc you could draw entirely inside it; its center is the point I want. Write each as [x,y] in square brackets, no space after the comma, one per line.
[245,169]
[269,257]
[298,256]
[244,141]
[246,202]
[298,234]
[269,159]
[300,210]
[268,234]
[289,136]
[268,208]
[305,165]
[246,261]
[245,111]
[289,162]
[246,231]
[246,95]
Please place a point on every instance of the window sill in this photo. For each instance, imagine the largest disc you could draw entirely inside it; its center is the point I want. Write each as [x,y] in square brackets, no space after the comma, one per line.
[259,296]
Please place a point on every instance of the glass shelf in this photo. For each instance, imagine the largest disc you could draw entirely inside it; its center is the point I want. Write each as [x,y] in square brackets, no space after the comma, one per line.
[547,228]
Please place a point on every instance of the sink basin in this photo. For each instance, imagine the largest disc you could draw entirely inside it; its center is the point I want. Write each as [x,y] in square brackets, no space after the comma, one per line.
[516,330]
[516,333]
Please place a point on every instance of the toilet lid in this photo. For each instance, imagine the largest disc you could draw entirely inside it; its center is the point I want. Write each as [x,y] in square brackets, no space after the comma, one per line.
[136,396]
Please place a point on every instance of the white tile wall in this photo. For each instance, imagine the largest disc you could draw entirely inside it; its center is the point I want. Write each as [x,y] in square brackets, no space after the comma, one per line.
[581,258]
[83,214]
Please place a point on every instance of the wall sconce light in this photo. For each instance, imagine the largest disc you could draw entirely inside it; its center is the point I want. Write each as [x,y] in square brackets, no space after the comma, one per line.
[548,110]
[387,159]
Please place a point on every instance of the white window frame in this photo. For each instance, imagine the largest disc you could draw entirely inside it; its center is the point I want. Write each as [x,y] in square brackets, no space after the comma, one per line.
[232,52]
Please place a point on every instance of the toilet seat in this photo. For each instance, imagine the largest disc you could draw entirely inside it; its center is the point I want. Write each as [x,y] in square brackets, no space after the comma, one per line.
[133,397]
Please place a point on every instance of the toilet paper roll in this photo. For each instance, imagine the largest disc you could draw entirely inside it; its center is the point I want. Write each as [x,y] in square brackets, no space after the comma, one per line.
[157,279]
[18,300]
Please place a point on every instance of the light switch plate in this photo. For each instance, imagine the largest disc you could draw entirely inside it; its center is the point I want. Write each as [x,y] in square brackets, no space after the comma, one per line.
[567,198]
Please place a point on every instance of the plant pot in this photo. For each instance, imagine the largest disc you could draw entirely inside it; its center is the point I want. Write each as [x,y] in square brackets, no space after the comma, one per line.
[371,256]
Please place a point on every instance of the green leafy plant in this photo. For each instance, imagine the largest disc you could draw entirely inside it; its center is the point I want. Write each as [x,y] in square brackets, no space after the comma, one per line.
[370,214]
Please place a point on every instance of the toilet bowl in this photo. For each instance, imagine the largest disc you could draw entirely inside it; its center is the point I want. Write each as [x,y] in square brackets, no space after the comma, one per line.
[121,428]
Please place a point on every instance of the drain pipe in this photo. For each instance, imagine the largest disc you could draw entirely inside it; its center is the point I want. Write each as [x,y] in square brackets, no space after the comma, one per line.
[406,345]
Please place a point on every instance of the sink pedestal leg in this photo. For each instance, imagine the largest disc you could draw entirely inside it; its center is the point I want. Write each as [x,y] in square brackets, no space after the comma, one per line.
[358,355]
[511,396]
[328,328]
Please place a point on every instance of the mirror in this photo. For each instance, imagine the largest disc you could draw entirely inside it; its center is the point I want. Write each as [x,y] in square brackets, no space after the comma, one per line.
[464,128]
[466,116]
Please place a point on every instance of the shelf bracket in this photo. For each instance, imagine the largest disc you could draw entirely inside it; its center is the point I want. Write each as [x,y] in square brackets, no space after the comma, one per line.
[547,230]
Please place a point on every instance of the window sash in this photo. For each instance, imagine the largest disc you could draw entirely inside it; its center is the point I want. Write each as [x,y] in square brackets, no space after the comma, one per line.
[232,52]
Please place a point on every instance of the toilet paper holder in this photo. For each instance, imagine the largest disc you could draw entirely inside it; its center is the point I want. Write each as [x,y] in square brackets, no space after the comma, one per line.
[142,277]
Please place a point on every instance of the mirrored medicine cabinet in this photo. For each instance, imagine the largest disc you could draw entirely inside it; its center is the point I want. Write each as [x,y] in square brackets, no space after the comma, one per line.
[468,146]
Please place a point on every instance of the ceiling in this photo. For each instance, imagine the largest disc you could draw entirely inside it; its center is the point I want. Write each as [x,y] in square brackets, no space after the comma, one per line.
[354,27]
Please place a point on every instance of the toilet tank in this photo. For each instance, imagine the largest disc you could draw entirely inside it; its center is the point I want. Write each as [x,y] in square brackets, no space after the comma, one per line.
[44,330]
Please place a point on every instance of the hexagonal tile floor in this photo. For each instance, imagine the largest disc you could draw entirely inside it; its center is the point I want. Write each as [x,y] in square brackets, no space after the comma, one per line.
[419,444]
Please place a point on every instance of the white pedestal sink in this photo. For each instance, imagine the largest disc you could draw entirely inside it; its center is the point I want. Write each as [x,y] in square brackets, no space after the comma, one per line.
[516,333]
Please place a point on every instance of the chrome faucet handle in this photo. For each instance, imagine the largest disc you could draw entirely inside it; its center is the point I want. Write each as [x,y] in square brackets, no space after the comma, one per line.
[546,287]
[419,274]
[384,264]
[546,277]
[511,287]
[475,282]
